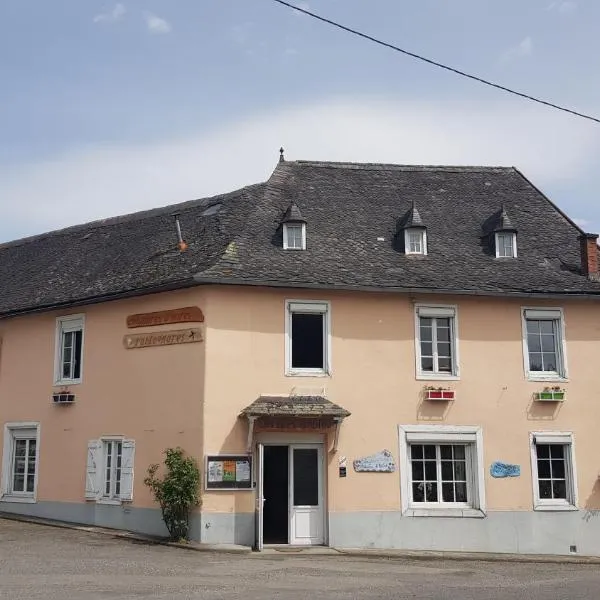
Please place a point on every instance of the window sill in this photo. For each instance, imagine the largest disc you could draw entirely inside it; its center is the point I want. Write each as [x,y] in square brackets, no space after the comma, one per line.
[555,508]
[19,499]
[307,374]
[436,377]
[67,382]
[547,378]
[109,501]
[473,513]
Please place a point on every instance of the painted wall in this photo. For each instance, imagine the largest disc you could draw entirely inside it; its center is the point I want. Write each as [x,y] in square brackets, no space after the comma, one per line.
[152,395]
[373,376]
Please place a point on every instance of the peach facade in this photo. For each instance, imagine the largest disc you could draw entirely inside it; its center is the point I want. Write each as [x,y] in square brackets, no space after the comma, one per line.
[191,395]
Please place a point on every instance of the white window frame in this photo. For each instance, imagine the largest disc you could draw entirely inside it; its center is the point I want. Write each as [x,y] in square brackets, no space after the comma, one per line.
[513,236]
[441,311]
[99,473]
[315,307]
[563,438]
[12,432]
[550,314]
[443,434]
[64,325]
[423,234]
[286,226]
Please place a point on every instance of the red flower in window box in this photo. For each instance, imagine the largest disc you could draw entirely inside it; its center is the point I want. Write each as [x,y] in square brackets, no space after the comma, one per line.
[432,393]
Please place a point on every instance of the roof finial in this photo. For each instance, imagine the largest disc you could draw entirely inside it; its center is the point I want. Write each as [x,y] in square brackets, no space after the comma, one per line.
[180,243]
[281,157]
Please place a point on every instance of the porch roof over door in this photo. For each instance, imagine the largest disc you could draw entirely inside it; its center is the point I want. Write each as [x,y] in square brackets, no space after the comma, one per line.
[294,406]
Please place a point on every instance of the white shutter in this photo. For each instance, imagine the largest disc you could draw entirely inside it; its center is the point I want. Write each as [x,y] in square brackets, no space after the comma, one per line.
[93,470]
[549,314]
[436,311]
[128,455]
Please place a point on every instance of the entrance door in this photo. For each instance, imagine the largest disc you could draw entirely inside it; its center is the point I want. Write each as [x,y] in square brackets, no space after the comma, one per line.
[306,495]
[275,493]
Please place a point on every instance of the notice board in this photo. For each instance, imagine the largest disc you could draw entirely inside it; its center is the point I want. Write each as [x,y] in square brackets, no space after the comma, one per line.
[229,472]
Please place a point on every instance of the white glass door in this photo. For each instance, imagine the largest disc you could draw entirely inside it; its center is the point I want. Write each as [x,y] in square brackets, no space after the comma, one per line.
[306,495]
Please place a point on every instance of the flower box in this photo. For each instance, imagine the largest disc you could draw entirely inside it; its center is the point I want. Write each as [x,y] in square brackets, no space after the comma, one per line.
[63,398]
[550,396]
[440,394]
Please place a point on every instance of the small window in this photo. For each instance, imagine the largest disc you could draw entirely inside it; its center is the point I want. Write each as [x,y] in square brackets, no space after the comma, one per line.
[436,342]
[294,236]
[69,349]
[553,472]
[20,463]
[415,241]
[543,343]
[441,468]
[307,338]
[506,245]
[109,476]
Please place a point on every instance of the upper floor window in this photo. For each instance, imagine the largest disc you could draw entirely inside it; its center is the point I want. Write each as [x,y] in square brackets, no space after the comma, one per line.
[294,236]
[20,462]
[506,245]
[69,349]
[436,342]
[552,465]
[543,343]
[307,338]
[415,241]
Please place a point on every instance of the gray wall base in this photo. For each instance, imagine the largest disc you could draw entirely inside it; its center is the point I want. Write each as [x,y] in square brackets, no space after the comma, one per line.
[227,528]
[526,532]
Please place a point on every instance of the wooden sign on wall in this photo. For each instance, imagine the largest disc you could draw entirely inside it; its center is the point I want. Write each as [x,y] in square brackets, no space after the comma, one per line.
[189,314]
[162,338]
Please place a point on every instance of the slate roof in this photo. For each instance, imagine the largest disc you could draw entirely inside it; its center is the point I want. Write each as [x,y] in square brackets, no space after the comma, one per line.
[236,238]
[411,219]
[294,406]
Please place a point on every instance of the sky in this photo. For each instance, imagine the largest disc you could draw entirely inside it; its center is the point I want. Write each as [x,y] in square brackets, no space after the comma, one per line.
[111,107]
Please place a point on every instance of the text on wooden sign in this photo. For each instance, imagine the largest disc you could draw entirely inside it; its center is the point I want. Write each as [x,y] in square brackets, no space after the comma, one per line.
[189,314]
[163,338]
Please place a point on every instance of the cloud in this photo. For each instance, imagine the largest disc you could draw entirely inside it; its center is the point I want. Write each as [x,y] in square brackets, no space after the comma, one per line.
[157,25]
[303,6]
[523,49]
[583,223]
[99,181]
[116,14]
[563,7]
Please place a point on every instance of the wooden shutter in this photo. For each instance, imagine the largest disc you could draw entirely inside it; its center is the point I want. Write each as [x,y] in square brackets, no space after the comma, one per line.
[94,470]
[128,455]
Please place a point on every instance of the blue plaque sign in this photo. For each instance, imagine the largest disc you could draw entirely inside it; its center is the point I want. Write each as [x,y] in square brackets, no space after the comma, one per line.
[500,469]
[381,462]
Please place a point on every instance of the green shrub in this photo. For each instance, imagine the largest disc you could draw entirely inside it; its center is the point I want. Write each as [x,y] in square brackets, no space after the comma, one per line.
[177,492]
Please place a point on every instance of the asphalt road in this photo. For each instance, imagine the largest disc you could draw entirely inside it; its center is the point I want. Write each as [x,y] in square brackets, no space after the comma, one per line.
[57,564]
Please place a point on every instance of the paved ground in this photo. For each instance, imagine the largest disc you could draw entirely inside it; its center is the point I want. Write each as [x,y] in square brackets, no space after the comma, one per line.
[51,563]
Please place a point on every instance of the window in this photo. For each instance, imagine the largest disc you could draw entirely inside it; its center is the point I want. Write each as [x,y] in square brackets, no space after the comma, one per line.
[436,343]
[20,462]
[307,338]
[554,486]
[441,470]
[415,241]
[543,344]
[69,349]
[506,245]
[109,476]
[294,236]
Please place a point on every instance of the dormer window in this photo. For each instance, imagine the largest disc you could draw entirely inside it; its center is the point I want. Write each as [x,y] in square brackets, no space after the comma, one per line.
[415,241]
[294,236]
[294,229]
[506,244]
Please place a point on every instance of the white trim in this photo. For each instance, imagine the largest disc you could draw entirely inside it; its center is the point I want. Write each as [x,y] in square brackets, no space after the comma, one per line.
[64,324]
[285,236]
[559,438]
[308,306]
[443,434]
[423,233]
[551,314]
[7,456]
[514,243]
[443,311]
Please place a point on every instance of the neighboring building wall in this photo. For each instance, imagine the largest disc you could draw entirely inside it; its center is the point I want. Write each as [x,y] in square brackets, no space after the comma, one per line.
[150,395]
[373,376]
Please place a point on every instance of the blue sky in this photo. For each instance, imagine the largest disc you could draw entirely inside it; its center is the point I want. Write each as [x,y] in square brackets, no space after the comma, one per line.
[108,108]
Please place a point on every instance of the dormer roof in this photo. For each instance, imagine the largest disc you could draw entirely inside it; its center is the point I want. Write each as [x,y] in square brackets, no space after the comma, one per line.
[412,218]
[293,214]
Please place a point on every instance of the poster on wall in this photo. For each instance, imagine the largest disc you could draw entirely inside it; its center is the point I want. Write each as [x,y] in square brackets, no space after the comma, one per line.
[227,472]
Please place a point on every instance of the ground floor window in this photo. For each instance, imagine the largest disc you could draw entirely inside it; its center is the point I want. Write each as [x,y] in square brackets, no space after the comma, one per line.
[109,474]
[552,461]
[20,461]
[441,469]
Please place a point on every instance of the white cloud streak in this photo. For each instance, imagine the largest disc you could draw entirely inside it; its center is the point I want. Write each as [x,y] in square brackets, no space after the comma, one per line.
[100,181]
[522,50]
[563,7]
[116,14]
[156,24]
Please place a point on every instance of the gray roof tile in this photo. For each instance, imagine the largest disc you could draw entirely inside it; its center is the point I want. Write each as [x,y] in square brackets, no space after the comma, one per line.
[294,406]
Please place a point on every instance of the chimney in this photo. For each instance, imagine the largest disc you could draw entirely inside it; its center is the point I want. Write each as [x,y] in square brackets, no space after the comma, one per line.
[589,255]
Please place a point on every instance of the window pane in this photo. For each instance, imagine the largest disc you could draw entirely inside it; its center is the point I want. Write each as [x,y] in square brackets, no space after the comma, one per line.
[543,469]
[548,343]
[426,321]
[30,482]
[443,334]
[429,451]
[417,470]
[77,354]
[446,452]
[546,326]
[447,470]
[19,482]
[461,491]
[459,452]
[557,450]
[543,450]
[294,236]
[426,349]
[427,363]
[431,493]
[549,362]
[559,489]
[460,470]
[418,492]
[558,469]
[430,470]
[442,322]
[448,492]
[307,341]
[535,362]
[425,332]
[306,477]
[534,343]
[533,326]
[444,365]
[416,451]
[545,487]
